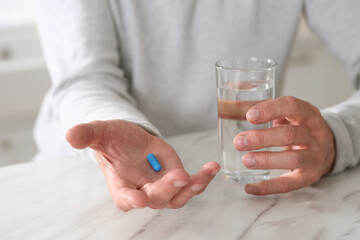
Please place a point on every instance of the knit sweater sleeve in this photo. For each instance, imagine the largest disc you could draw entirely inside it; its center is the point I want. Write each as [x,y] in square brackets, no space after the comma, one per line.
[337,24]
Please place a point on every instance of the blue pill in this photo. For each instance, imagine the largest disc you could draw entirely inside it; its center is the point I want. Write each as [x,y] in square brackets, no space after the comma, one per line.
[154,162]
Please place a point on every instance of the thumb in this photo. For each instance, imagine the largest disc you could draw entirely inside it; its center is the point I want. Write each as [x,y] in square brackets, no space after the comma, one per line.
[86,134]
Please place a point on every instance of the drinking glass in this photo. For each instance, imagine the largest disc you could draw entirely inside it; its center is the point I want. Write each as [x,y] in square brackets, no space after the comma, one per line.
[241,83]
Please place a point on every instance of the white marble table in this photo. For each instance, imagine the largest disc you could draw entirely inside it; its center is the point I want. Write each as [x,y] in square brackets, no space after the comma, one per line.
[68,199]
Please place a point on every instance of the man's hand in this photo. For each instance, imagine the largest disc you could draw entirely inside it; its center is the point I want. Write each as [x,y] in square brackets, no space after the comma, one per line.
[309,148]
[121,148]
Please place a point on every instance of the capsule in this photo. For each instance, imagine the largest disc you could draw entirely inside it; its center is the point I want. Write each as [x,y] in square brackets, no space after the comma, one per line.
[154,162]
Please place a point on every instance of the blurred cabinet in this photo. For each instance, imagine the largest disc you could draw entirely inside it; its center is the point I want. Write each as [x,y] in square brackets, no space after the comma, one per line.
[16,143]
[23,75]
[24,81]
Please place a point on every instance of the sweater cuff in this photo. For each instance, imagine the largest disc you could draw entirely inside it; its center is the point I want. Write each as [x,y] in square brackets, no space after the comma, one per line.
[342,141]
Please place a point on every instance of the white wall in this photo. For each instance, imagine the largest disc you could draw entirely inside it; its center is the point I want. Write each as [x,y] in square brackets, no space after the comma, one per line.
[15,13]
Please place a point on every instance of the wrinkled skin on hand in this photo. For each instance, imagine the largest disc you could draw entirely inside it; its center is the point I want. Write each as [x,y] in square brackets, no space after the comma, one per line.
[298,127]
[121,148]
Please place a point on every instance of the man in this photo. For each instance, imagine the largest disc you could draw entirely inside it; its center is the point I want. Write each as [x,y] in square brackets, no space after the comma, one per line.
[125,70]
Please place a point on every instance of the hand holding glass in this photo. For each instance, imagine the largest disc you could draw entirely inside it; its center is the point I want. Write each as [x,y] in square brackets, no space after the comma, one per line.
[241,83]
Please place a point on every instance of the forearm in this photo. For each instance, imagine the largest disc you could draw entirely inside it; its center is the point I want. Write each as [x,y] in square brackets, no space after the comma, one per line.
[96,98]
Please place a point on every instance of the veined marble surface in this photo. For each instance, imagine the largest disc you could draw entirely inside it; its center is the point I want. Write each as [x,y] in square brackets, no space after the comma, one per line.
[68,199]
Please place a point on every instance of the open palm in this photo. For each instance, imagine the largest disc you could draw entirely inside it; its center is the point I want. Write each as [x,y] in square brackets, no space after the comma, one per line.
[121,148]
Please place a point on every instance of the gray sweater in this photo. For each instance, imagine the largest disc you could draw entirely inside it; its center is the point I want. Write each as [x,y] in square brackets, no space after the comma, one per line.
[152,62]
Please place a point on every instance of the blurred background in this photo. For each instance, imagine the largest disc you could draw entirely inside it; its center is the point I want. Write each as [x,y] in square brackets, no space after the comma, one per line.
[313,75]
[23,80]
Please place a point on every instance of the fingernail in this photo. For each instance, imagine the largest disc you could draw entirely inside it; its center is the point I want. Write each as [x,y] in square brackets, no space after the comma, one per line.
[249,160]
[241,142]
[196,187]
[250,189]
[215,171]
[179,184]
[253,115]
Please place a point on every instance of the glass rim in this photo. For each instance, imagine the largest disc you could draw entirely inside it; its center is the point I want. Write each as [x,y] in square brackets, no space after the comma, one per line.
[273,64]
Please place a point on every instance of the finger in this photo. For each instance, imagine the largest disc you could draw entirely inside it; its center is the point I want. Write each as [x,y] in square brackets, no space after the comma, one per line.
[125,195]
[86,134]
[280,121]
[198,184]
[161,191]
[287,182]
[290,107]
[231,109]
[284,135]
[126,199]
[276,160]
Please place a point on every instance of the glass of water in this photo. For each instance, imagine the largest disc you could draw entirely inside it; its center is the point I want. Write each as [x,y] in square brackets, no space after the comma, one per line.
[241,83]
